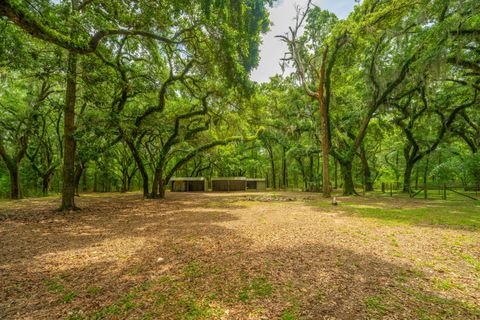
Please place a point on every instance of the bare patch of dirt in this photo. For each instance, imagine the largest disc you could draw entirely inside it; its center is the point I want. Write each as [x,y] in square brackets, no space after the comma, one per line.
[231,256]
[277,198]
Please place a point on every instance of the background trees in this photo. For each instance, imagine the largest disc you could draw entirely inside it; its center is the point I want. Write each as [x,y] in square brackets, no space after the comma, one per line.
[124,95]
[181,40]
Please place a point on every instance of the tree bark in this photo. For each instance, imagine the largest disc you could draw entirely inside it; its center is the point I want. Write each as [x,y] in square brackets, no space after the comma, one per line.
[78,176]
[14,183]
[157,178]
[324,127]
[84,181]
[272,167]
[348,186]
[140,166]
[407,175]
[161,190]
[302,170]
[68,192]
[130,178]
[367,174]
[45,184]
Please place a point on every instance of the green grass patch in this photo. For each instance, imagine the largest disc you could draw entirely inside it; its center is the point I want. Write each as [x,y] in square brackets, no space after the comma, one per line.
[121,306]
[258,288]
[54,285]
[196,310]
[472,261]
[67,298]
[444,307]
[375,305]
[194,269]
[288,314]
[442,213]
[93,290]
[446,284]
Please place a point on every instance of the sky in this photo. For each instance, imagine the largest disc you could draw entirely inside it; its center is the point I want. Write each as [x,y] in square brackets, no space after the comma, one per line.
[282,15]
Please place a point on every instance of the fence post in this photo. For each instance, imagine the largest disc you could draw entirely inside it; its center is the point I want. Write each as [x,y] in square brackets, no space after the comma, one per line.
[383,187]
[444,191]
[391,190]
[425,196]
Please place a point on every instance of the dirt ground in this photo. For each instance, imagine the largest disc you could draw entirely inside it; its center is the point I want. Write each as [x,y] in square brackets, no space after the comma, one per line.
[236,256]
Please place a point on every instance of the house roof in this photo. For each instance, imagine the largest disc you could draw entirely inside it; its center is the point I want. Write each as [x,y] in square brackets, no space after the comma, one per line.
[187,179]
[229,178]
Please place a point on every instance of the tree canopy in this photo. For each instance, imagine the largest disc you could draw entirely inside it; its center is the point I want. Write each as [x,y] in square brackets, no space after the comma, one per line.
[124,95]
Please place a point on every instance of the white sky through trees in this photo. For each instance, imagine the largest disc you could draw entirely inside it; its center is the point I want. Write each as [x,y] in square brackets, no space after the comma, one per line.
[282,16]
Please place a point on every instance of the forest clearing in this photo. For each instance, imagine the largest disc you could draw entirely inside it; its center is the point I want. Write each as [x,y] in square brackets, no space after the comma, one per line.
[240,256]
[240,159]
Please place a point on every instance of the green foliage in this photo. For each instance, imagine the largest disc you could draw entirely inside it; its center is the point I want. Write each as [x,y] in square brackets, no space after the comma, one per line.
[163,89]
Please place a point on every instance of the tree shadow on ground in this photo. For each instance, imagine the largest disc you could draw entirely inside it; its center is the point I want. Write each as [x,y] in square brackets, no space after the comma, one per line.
[164,260]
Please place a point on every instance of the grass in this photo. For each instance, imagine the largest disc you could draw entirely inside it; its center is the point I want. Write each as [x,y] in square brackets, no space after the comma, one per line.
[194,269]
[257,288]
[54,285]
[247,277]
[375,305]
[434,213]
[93,289]
[67,298]
[446,284]
[474,262]
[289,314]
[194,309]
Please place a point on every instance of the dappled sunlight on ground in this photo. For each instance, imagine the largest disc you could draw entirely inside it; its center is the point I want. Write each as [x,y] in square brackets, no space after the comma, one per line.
[240,256]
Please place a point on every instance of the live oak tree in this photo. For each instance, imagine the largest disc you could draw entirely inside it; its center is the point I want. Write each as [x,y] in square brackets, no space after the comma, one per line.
[139,91]
[425,117]
[77,27]
[30,80]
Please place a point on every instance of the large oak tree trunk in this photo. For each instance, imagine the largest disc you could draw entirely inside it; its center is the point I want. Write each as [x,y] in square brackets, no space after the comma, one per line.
[304,174]
[68,192]
[348,186]
[84,181]
[324,124]
[407,175]
[367,174]
[78,176]
[14,183]
[272,167]
[157,177]
[161,190]
[124,182]
[46,183]
[140,166]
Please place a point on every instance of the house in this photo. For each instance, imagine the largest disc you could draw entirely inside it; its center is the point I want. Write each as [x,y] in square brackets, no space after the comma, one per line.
[188,184]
